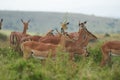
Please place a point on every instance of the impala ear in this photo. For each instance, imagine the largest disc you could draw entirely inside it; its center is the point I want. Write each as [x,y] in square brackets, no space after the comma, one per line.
[1,20]
[79,23]
[67,23]
[22,21]
[85,22]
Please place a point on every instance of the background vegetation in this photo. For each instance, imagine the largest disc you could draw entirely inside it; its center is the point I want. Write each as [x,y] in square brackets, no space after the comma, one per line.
[41,22]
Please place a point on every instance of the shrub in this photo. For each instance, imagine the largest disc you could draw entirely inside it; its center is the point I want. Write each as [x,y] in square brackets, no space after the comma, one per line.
[107,35]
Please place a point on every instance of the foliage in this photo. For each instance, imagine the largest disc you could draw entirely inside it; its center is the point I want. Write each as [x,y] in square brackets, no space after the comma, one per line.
[107,35]
[41,22]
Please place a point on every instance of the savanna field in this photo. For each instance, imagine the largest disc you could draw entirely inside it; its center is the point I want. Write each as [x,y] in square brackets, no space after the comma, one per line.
[14,67]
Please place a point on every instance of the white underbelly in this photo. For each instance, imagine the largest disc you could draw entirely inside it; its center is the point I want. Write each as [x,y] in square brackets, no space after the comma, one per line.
[41,57]
[115,52]
[38,57]
[42,54]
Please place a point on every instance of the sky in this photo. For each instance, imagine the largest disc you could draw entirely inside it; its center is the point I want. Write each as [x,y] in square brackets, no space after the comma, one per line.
[104,8]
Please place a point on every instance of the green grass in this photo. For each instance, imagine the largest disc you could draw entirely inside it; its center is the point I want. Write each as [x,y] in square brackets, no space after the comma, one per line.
[14,67]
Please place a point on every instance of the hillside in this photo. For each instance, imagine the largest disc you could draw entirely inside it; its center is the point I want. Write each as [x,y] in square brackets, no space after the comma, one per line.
[41,22]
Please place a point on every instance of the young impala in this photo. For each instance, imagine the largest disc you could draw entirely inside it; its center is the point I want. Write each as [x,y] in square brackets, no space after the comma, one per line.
[66,42]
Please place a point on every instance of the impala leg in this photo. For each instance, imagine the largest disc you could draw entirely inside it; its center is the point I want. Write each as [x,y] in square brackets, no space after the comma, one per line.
[105,56]
[26,53]
[109,60]
[104,60]
[85,51]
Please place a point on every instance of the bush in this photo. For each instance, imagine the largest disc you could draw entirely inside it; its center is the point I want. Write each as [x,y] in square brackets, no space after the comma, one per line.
[107,35]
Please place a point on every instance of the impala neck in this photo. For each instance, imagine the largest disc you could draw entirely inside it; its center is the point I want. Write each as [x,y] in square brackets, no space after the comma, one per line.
[82,35]
[62,41]
[86,41]
[24,30]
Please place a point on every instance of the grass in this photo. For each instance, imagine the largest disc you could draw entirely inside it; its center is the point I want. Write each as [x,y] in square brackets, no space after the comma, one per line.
[14,67]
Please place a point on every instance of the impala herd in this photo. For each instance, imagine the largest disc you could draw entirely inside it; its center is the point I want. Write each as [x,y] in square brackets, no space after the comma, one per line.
[73,43]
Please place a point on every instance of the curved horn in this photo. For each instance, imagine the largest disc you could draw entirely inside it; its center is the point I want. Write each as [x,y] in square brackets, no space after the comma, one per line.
[57,31]
[29,20]
[22,21]
[79,24]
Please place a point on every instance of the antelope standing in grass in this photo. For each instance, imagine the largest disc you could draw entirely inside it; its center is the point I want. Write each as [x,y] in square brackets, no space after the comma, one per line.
[1,23]
[15,37]
[108,49]
[44,48]
[68,44]
[79,45]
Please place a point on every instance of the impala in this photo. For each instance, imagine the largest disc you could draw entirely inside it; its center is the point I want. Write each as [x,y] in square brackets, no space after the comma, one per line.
[45,48]
[69,44]
[15,37]
[109,48]
[50,39]
[79,45]
[29,47]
